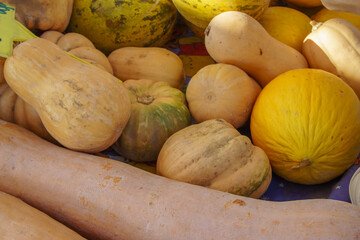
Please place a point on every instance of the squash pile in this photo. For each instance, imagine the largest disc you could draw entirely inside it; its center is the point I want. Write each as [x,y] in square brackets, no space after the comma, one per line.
[99,82]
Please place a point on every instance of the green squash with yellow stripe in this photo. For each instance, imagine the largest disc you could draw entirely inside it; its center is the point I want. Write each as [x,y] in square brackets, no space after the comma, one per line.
[111,24]
[157,111]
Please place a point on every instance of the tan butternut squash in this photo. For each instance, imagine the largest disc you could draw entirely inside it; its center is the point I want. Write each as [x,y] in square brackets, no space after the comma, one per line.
[334,46]
[20,221]
[81,106]
[43,14]
[236,38]
[107,199]
[153,63]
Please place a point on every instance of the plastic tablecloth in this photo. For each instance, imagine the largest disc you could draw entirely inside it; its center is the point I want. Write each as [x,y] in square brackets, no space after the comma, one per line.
[192,51]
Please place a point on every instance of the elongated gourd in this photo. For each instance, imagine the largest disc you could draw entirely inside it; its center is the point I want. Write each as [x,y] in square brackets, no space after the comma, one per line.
[83,107]
[20,221]
[334,46]
[106,199]
[236,38]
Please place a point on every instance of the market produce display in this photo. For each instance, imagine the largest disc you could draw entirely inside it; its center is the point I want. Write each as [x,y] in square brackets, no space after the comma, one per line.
[106,199]
[179,119]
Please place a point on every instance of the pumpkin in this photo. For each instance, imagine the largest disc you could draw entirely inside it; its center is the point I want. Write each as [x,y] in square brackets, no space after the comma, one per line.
[198,14]
[300,121]
[334,46]
[157,111]
[306,3]
[14,109]
[43,14]
[83,107]
[215,155]
[154,63]
[325,14]
[21,221]
[222,91]
[114,24]
[103,198]
[237,38]
[351,6]
[287,25]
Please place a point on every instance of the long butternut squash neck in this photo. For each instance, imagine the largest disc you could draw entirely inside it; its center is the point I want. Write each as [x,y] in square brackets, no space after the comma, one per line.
[106,199]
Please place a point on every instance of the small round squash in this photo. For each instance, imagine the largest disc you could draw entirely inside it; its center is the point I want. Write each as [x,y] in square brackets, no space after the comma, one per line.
[308,123]
[215,155]
[157,111]
[222,91]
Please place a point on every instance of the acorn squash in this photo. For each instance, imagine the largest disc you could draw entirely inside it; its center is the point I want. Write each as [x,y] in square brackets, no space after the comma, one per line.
[157,111]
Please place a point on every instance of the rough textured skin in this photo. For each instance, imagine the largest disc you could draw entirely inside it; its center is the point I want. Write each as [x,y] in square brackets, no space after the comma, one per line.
[106,199]
[157,111]
[308,123]
[43,14]
[112,24]
[80,105]
[20,221]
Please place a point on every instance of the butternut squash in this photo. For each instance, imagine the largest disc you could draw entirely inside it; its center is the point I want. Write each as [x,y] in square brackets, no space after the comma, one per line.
[236,38]
[153,63]
[20,221]
[43,14]
[83,107]
[106,199]
[334,46]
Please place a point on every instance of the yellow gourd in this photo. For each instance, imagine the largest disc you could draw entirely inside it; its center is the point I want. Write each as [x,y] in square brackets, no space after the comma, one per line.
[287,25]
[308,123]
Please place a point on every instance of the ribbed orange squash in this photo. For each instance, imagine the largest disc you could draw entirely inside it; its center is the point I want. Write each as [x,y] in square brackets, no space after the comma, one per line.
[308,123]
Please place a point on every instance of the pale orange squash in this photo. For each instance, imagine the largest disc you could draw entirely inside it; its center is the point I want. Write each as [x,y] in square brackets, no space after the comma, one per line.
[222,91]
[43,14]
[21,221]
[81,106]
[106,199]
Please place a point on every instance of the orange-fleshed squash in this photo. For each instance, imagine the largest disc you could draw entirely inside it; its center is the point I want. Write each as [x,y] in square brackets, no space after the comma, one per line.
[43,14]
[334,46]
[215,155]
[237,38]
[105,199]
[222,91]
[14,109]
[308,123]
[21,221]
[153,63]
[83,107]
[157,111]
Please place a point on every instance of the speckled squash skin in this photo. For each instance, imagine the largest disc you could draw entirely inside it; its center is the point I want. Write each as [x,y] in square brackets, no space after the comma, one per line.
[83,107]
[308,123]
[215,155]
[43,14]
[112,24]
[157,111]
[198,14]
